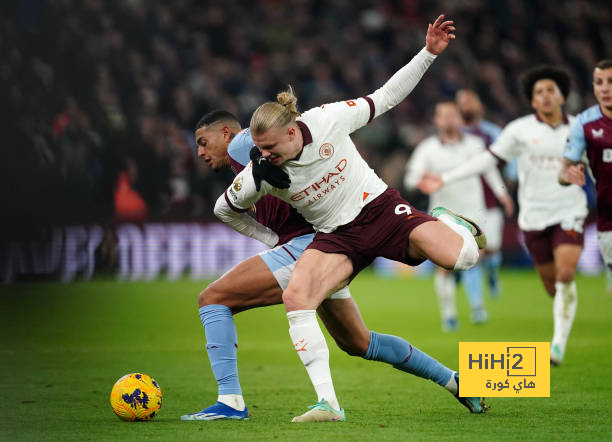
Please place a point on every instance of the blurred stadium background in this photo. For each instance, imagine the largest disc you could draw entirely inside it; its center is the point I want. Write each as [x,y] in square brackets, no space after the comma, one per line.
[99,179]
[98,157]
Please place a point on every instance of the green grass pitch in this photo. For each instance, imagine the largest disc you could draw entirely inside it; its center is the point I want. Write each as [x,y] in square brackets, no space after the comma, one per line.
[63,346]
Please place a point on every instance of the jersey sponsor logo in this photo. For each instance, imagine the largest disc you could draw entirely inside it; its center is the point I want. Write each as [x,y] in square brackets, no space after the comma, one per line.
[237,184]
[599,133]
[351,103]
[326,150]
[327,183]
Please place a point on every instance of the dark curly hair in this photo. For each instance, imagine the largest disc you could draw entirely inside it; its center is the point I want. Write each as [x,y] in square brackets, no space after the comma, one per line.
[559,75]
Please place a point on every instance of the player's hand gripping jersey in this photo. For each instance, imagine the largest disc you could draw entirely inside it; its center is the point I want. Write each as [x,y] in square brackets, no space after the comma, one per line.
[281,220]
[330,182]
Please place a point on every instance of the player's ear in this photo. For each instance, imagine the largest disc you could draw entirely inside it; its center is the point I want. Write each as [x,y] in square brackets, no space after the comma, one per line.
[226,132]
[291,132]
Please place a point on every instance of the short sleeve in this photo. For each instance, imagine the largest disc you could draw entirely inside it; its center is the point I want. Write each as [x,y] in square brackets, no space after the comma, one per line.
[507,146]
[576,143]
[240,147]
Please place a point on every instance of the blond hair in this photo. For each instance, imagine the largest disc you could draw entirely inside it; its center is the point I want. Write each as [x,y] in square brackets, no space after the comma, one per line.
[275,114]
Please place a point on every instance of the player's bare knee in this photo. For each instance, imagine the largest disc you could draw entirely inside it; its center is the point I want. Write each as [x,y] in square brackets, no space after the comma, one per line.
[211,296]
[565,274]
[294,299]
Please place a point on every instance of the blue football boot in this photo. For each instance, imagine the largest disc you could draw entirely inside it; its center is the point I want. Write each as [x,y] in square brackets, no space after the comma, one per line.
[215,412]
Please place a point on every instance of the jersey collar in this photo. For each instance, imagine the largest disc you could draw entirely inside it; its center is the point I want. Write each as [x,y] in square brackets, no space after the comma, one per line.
[306,137]
[564,121]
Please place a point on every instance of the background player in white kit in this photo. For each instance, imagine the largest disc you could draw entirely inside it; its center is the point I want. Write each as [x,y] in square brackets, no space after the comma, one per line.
[440,153]
[472,110]
[591,135]
[551,216]
[356,216]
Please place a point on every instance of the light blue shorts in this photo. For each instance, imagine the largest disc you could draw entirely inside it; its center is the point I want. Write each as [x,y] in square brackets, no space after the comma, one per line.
[281,261]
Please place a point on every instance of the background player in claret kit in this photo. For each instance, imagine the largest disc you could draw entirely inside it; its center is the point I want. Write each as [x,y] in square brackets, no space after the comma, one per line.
[591,135]
[437,154]
[259,281]
[357,217]
[472,110]
[551,216]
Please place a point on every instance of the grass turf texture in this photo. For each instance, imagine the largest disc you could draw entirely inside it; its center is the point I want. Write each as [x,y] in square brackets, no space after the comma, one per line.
[63,346]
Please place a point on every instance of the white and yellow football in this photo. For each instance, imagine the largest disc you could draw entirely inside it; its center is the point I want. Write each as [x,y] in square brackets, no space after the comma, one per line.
[136,397]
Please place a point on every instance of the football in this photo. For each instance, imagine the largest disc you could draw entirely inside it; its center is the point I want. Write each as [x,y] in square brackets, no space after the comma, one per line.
[136,397]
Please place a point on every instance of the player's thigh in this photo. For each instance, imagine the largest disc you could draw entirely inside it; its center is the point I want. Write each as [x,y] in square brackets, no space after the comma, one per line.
[315,276]
[566,261]
[437,242]
[248,284]
[344,323]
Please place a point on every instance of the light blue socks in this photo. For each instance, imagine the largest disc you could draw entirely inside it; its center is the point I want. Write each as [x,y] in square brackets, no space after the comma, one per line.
[403,356]
[221,345]
[492,263]
[472,282]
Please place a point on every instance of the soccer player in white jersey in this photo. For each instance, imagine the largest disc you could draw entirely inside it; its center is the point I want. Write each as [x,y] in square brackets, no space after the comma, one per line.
[551,216]
[356,216]
[259,281]
[591,136]
[440,153]
[472,110]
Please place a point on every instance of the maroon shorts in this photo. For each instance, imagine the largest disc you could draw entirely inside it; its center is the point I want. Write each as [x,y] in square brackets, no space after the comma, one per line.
[541,243]
[381,229]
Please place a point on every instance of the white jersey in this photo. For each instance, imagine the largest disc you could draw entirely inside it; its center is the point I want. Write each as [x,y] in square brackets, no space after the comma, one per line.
[465,196]
[330,182]
[538,148]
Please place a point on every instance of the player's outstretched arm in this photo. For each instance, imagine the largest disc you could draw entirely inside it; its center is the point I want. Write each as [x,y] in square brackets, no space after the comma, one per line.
[571,172]
[439,35]
[477,165]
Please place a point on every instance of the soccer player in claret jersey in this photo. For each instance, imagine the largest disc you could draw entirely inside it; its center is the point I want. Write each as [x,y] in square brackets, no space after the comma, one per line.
[437,154]
[591,135]
[551,216]
[357,217]
[259,281]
